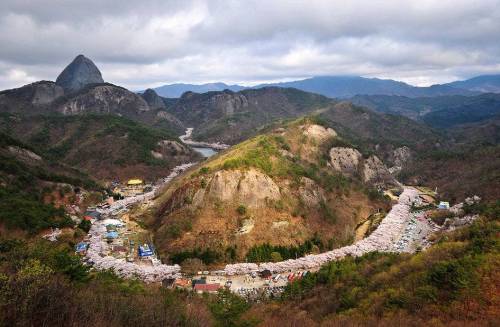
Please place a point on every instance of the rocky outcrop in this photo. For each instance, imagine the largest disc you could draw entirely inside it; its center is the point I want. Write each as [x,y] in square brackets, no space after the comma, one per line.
[30,99]
[375,172]
[345,160]
[105,99]
[250,188]
[153,99]
[79,73]
[318,132]
[45,93]
[310,193]
[350,162]
[23,154]
[228,103]
[401,156]
[173,147]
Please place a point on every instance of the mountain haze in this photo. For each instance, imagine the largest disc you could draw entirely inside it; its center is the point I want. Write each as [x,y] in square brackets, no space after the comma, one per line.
[442,111]
[483,83]
[176,90]
[349,86]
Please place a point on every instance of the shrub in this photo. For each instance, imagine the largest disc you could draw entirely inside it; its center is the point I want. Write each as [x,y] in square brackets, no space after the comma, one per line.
[204,170]
[276,257]
[228,307]
[207,256]
[439,216]
[241,209]
[85,225]
[327,213]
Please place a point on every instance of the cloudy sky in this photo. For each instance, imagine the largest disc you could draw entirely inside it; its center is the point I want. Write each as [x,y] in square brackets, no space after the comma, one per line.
[141,44]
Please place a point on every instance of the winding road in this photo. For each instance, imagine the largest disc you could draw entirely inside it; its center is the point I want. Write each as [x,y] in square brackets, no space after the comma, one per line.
[385,238]
[394,234]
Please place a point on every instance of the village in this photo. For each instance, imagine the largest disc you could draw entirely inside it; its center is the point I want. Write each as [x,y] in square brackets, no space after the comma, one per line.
[116,242]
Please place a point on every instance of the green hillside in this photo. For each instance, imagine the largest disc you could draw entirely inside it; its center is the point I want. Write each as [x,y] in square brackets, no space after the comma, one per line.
[104,146]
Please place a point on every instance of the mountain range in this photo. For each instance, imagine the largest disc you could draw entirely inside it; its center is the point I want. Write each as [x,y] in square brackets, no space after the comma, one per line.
[81,118]
[349,86]
[305,173]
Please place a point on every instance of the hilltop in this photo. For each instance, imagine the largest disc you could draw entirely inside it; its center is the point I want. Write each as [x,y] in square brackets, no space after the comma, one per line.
[103,129]
[231,117]
[79,90]
[300,188]
[79,73]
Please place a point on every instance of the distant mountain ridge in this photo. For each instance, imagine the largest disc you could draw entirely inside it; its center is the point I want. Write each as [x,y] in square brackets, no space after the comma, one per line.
[176,90]
[349,86]
[440,112]
[483,83]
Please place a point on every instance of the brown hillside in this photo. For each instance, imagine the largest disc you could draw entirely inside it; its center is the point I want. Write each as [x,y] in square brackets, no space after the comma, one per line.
[279,188]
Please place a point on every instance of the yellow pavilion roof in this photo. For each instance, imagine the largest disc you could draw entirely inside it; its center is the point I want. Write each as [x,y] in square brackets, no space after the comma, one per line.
[134,182]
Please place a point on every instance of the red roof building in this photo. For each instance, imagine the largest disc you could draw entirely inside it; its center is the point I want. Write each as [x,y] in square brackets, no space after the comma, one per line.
[210,288]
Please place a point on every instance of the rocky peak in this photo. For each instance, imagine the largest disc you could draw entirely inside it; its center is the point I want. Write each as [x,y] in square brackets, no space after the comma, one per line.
[80,72]
[153,99]
[229,102]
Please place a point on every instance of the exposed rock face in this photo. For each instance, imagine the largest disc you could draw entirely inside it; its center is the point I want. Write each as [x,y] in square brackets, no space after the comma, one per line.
[251,188]
[173,147]
[105,99]
[345,160]
[318,132]
[30,99]
[228,103]
[80,72]
[45,93]
[23,154]
[153,99]
[349,161]
[401,156]
[375,172]
[310,193]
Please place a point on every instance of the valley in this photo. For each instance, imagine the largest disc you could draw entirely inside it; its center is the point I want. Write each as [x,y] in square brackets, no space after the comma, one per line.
[267,198]
[396,233]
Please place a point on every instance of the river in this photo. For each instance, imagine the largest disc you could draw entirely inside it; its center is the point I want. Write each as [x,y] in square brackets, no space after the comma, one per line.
[206,152]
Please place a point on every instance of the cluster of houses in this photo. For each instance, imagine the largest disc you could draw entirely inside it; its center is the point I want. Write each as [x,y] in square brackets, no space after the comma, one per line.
[132,187]
[109,245]
[116,237]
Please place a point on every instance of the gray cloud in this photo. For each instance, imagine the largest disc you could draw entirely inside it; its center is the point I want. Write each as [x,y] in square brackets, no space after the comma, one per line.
[148,43]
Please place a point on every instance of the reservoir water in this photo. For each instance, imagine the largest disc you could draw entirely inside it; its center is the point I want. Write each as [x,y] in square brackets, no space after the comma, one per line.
[206,152]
